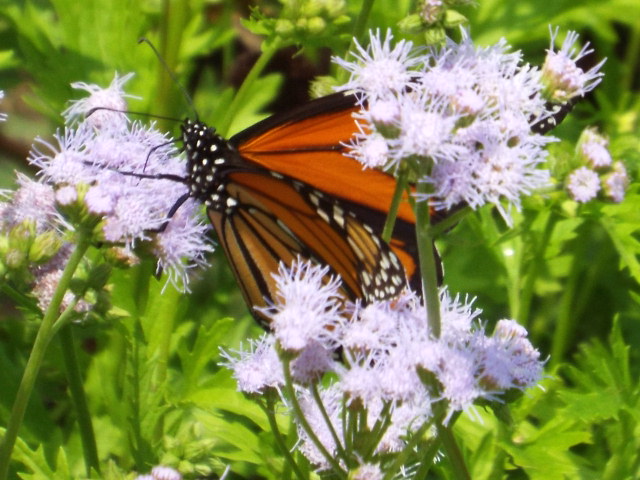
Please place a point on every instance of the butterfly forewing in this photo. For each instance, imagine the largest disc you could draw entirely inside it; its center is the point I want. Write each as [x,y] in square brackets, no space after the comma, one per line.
[309,143]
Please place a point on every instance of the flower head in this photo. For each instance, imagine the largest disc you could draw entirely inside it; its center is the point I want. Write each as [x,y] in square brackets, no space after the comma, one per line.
[593,149]
[101,158]
[256,368]
[616,182]
[562,77]
[583,184]
[160,472]
[380,71]
[460,116]
[32,201]
[387,351]
[104,106]
[307,308]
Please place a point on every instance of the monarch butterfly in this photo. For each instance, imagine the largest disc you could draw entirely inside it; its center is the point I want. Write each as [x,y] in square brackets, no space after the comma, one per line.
[283,189]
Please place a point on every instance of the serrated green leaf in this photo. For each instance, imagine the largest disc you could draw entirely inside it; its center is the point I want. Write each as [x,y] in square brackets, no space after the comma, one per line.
[622,223]
[590,407]
[251,111]
[37,464]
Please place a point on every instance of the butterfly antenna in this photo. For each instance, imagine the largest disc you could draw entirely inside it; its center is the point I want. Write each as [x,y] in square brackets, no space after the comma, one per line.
[132,112]
[171,74]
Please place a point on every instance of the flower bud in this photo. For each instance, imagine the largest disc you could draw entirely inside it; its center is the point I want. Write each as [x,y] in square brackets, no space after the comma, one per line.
[45,246]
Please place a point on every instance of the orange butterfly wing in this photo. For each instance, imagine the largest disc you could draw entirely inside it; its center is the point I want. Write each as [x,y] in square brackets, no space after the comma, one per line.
[280,221]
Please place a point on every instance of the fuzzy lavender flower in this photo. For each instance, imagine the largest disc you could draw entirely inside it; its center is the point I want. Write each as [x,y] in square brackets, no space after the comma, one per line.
[380,71]
[461,116]
[160,472]
[307,308]
[583,184]
[562,77]
[593,149]
[510,361]
[368,471]
[256,368]
[388,351]
[616,182]
[96,156]
[105,105]
[32,201]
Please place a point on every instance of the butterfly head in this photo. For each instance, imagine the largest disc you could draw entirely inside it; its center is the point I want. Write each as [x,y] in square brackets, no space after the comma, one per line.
[207,156]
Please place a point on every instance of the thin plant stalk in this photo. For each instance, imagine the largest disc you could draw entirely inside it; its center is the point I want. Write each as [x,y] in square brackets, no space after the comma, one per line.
[402,457]
[401,186]
[286,364]
[247,85]
[362,19]
[453,452]
[327,420]
[79,399]
[43,338]
[280,441]
[428,266]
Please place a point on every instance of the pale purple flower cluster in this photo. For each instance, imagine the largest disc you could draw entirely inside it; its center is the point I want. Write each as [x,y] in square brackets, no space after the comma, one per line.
[583,184]
[598,172]
[385,346]
[32,201]
[31,207]
[562,77]
[460,116]
[90,164]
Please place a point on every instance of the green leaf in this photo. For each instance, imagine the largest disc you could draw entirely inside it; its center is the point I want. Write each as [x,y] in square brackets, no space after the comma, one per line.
[622,223]
[37,465]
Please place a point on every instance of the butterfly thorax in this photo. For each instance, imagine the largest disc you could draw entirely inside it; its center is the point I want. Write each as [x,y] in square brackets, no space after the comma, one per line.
[208,155]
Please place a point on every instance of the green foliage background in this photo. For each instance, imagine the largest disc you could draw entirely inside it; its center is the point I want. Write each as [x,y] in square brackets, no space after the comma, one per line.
[155,389]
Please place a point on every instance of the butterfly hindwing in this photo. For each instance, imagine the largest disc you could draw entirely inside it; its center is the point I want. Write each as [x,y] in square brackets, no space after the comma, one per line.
[276,220]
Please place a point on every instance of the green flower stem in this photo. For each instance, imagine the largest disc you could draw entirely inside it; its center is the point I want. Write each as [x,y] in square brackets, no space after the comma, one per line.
[358,34]
[363,18]
[580,284]
[269,410]
[164,329]
[428,266]
[269,50]
[377,432]
[43,337]
[401,185]
[451,220]
[286,364]
[65,317]
[453,452]
[351,426]
[327,420]
[428,456]
[523,310]
[173,20]
[79,400]
[631,58]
